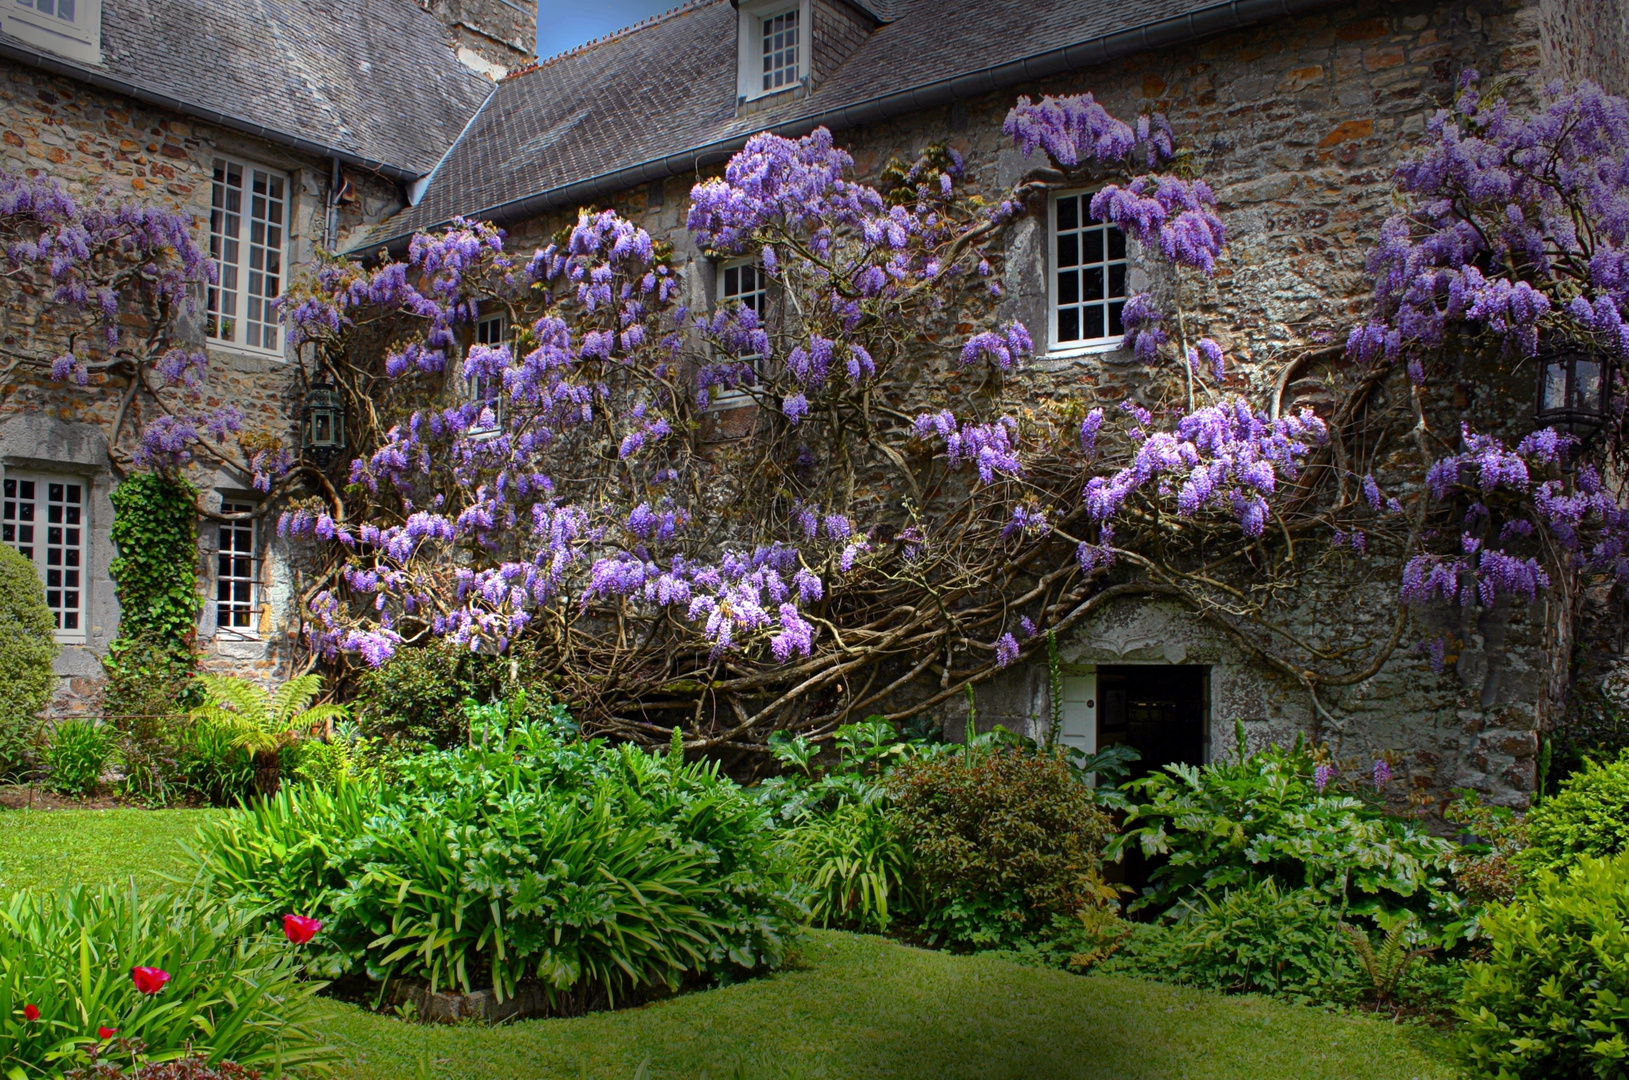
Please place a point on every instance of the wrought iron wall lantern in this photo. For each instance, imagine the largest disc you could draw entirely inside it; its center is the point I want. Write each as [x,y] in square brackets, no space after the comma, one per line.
[1574,391]
[322,425]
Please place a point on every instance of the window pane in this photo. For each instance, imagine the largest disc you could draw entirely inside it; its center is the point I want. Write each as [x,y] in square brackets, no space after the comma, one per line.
[235,578]
[1068,213]
[1092,322]
[1069,324]
[1069,287]
[65,9]
[57,560]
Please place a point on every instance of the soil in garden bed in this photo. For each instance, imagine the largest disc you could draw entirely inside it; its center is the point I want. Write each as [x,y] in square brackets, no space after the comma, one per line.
[23,797]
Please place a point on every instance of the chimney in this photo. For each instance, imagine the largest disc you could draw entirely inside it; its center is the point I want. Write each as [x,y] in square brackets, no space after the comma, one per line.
[492,37]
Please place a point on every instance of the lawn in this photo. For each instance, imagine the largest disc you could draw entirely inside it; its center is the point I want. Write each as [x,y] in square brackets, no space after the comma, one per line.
[851,1008]
[86,847]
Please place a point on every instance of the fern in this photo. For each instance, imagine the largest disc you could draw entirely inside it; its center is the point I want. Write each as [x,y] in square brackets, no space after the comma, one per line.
[1385,967]
[262,722]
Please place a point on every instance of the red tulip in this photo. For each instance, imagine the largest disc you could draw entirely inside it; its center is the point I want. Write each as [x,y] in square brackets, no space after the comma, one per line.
[299,929]
[31,1013]
[149,980]
[106,1032]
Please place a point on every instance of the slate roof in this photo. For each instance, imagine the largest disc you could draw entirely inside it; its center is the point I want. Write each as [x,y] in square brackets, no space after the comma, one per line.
[373,80]
[660,99]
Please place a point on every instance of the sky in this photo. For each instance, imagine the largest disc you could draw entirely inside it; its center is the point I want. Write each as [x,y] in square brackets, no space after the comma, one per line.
[565,24]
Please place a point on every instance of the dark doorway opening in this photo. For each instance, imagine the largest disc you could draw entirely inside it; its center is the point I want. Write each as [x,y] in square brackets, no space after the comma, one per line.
[1163,711]
[1158,709]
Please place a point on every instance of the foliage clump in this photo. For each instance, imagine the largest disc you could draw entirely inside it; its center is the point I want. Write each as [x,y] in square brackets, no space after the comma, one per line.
[77,756]
[27,648]
[1548,1001]
[599,872]
[232,993]
[1002,838]
[1234,822]
[1588,816]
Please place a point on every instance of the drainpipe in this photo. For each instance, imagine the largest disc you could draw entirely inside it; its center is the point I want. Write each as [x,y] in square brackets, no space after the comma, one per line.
[330,228]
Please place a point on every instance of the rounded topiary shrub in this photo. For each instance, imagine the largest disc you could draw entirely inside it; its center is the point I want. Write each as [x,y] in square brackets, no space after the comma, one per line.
[1003,840]
[27,647]
[1588,816]
[1548,1002]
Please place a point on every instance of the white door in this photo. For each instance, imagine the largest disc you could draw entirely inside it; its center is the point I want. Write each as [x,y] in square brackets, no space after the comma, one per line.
[1079,713]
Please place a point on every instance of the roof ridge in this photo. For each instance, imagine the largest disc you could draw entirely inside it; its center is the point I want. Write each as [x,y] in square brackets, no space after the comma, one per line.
[606,39]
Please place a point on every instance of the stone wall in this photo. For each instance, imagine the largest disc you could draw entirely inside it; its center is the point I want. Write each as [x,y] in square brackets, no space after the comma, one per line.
[91,141]
[1586,39]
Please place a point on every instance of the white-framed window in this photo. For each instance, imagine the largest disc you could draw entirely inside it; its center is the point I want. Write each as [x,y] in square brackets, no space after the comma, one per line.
[237,581]
[248,231]
[779,46]
[1087,279]
[491,330]
[773,53]
[741,281]
[71,28]
[43,517]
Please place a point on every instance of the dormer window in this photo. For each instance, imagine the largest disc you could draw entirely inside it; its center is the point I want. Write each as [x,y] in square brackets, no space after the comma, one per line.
[774,47]
[68,28]
[779,35]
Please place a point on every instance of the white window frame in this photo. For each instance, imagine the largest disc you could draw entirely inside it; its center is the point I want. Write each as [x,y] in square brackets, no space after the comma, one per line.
[1080,346]
[241,276]
[238,572]
[13,521]
[738,397]
[79,38]
[752,16]
[489,330]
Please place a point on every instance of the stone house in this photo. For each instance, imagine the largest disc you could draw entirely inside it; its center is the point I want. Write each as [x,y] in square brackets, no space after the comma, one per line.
[1298,110]
[316,119]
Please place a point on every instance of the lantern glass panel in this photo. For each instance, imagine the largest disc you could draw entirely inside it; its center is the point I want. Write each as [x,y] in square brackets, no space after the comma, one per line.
[1586,386]
[323,436]
[1553,395]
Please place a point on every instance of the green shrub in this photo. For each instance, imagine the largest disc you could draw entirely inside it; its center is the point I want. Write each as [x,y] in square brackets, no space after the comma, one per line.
[1254,939]
[595,869]
[27,649]
[232,994]
[212,766]
[1589,815]
[418,695]
[1549,1002]
[1232,823]
[855,862]
[1003,839]
[77,756]
[328,763]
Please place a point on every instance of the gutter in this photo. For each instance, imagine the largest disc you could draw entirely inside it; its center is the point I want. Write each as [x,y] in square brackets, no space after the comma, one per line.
[12,51]
[1146,38]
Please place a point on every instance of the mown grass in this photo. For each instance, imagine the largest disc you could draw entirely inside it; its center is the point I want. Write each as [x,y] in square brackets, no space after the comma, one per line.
[851,1008]
[51,848]
[862,1007]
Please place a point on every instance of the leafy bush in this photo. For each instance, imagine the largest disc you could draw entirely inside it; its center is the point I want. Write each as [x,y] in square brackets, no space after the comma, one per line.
[231,994]
[418,695]
[1549,1001]
[1003,839]
[77,756]
[1233,823]
[855,862]
[210,765]
[327,763]
[1588,815]
[262,723]
[27,648]
[1253,939]
[1487,866]
[594,869]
